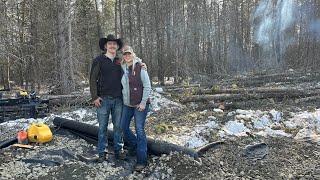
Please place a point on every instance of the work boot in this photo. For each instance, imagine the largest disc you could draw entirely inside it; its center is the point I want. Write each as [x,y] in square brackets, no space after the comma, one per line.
[102,157]
[139,167]
[120,155]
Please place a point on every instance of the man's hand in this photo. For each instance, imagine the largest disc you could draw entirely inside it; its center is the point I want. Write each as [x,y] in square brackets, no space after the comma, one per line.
[141,107]
[97,102]
[144,66]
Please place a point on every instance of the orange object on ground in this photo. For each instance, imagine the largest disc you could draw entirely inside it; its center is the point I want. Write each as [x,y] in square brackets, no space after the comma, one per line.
[22,137]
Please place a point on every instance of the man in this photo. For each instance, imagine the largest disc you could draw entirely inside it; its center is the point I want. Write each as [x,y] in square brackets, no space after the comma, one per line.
[105,89]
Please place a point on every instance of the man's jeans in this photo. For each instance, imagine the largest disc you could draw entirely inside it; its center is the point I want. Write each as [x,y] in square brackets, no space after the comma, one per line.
[138,142]
[113,106]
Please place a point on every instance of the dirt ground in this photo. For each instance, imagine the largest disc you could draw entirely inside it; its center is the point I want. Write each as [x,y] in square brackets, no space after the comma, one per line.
[286,158]
[279,157]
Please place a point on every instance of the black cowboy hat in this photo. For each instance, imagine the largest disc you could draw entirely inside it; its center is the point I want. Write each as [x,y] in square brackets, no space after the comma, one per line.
[110,37]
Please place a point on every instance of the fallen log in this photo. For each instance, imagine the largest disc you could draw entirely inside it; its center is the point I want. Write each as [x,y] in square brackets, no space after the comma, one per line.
[238,97]
[70,100]
[216,97]
[308,99]
[181,86]
[285,78]
[179,90]
[252,91]
[155,147]
[8,142]
[235,105]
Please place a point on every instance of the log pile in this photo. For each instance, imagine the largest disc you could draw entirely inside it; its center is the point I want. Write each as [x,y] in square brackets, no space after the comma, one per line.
[243,94]
[231,92]
[79,99]
[279,78]
[296,87]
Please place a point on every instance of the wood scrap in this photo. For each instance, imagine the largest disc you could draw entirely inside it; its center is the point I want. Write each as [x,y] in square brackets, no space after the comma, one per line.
[25,146]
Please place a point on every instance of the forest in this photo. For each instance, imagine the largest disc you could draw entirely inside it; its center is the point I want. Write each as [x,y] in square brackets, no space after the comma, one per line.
[233,93]
[46,44]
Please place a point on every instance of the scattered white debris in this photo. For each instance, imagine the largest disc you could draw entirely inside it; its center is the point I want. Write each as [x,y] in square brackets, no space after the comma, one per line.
[195,141]
[232,113]
[204,112]
[211,124]
[245,117]
[195,138]
[305,119]
[290,124]
[273,133]
[191,138]
[193,105]
[235,128]
[262,122]
[24,122]
[276,115]
[87,89]
[80,114]
[159,89]
[307,135]
[88,116]
[218,110]
[244,112]
[158,102]
[11,127]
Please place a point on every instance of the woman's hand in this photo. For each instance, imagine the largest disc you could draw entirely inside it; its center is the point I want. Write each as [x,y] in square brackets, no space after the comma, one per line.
[97,102]
[141,107]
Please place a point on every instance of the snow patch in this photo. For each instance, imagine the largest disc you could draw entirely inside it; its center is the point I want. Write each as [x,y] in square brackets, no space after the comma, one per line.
[204,112]
[217,110]
[307,135]
[235,128]
[262,122]
[245,117]
[158,89]
[276,115]
[79,114]
[273,133]
[193,138]
[244,112]
[305,120]
[195,141]
[159,102]
[22,124]
[212,118]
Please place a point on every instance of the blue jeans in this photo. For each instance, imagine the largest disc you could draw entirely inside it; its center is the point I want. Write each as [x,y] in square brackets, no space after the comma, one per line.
[113,106]
[139,141]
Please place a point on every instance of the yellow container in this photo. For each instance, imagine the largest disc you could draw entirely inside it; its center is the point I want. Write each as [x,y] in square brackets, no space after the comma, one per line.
[39,133]
[23,93]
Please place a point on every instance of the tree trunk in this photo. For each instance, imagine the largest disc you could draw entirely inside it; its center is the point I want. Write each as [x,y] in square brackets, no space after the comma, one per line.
[99,30]
[139,28]
[116,18]
[120,16]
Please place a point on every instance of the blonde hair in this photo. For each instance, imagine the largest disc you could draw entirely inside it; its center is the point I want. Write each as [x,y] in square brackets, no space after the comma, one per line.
[133,59]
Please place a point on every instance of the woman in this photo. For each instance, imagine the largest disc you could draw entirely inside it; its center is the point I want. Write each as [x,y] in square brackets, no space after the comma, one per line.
[136,90]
